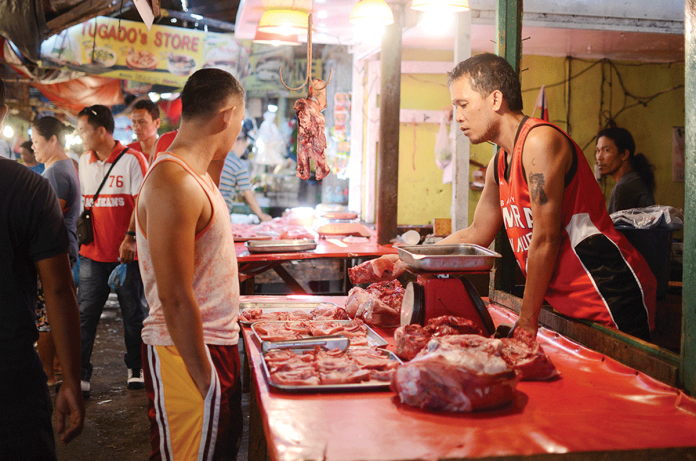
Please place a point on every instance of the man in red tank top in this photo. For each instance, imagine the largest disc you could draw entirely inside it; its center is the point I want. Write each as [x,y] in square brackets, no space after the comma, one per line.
[540,179]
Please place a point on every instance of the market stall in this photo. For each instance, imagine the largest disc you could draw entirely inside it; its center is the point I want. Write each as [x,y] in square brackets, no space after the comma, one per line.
[596,405]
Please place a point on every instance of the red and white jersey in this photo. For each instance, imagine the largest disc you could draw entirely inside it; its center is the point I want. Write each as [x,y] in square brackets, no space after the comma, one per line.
[599,276]
[112,213]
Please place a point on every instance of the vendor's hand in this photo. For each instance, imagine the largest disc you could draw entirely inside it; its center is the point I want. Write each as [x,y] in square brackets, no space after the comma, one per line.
[531,328]
[264,217]
[126,251]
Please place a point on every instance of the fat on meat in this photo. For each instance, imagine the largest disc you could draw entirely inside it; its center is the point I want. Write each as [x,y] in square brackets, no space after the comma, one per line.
[525,355]
[411,339]
[357,297]
[378,306]
[311,140]
[376,270]
[445,376]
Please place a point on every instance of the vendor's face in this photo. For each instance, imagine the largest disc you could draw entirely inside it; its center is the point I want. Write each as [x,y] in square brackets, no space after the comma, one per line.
[472,111]
[143,125]
[608,157]
[41,146]
[90,135]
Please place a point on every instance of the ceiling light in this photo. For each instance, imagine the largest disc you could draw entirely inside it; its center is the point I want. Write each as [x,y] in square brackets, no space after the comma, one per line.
[449,6]
[275,39]
[371,12]
[283,22]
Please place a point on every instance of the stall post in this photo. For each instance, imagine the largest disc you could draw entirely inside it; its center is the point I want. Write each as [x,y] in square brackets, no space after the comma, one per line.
[389,110]
[687,366]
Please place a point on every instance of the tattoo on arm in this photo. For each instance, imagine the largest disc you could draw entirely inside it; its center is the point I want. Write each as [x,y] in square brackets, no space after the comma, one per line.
[536,189]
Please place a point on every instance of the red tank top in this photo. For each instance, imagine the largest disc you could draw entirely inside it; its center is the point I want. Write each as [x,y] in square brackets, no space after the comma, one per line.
[598,276]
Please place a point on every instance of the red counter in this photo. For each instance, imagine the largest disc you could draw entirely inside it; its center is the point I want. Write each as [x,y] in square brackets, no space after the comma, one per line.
[596,405]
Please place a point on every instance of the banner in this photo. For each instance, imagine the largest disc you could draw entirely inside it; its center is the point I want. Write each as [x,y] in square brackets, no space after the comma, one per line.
[127,50]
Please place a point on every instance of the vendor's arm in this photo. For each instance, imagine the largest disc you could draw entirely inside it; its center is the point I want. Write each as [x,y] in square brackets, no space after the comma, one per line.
[172,216]
[126,251]
[487,217]
[547,158]
[254,205]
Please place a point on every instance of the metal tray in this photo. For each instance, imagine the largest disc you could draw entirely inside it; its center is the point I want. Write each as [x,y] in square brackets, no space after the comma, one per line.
[280,246]
[373,338]
[356,387]
[280,306]
[461,257]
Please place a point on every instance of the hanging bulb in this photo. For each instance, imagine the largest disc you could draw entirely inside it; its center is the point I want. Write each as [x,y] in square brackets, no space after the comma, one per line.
[374,13]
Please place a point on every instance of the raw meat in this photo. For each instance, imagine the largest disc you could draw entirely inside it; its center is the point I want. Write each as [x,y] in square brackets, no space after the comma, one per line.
[375,270]
[379,304]
[355,330]
[410,339]
[322,312]
[311,140]
[318,366]
[460,373]
[524,354]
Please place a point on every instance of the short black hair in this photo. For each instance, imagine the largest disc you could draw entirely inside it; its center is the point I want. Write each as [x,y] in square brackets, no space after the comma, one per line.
[51,126]
[149,106]
[28,146]
[97,116]
[487,73]
[206,91]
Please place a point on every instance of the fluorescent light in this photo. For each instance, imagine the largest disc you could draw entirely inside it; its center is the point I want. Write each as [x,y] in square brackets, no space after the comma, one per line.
[196,16]
[154,96]
[272,108]
[8,132]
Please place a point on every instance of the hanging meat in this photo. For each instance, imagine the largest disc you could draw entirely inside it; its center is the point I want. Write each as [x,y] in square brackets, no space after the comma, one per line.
[311,141]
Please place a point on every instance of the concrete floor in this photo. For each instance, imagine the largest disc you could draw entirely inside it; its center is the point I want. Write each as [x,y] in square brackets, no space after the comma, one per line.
[116,426]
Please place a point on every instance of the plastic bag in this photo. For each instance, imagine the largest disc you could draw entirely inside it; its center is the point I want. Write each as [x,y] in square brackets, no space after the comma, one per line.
[649,217]
[118,276]
[270,144]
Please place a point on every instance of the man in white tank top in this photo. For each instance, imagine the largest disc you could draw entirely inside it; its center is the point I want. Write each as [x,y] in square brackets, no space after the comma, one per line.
[189,270]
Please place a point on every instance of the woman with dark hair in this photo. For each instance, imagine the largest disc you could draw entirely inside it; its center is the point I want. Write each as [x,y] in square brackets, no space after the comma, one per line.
[633,173]
[48,141]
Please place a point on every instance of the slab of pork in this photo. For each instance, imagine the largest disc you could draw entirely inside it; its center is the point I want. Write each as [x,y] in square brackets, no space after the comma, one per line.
[311,140]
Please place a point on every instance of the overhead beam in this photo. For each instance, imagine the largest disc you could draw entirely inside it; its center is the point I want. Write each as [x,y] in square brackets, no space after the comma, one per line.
[84,12]
[222,25]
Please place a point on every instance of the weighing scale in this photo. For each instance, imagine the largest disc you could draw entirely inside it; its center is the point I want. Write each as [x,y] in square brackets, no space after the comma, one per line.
[442,286]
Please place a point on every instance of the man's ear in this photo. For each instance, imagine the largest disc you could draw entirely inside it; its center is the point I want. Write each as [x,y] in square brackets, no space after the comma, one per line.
[497,99]
[3,112]
[228,114]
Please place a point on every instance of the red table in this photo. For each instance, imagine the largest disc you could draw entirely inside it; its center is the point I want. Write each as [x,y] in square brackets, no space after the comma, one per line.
[597,405]
[330,248]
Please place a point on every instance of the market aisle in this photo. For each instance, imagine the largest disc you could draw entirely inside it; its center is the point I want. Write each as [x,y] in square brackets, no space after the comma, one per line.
[116,425]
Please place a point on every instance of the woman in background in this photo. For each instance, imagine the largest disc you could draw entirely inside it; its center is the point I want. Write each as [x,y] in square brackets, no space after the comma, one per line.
[633,173]
[48,141]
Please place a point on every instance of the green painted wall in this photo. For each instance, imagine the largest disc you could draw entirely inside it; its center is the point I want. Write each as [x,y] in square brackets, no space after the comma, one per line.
[580,106]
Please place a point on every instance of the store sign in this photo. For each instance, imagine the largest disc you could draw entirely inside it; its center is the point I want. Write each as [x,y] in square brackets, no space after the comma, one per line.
[127,50]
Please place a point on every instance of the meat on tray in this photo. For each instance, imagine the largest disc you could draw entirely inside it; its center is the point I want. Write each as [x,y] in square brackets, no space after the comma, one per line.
[379,304]
[375,270]
[459,373]
[275,229]
[311,140]
[410,339]
[321,367]
[355,330]
[326,312]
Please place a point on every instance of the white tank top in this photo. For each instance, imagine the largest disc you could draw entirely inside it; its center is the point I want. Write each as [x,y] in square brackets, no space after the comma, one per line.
[215,281]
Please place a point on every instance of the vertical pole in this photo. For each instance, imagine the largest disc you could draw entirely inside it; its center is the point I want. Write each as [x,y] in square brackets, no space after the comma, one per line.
[389,111]
[460,181]
[687,366]
[508,44]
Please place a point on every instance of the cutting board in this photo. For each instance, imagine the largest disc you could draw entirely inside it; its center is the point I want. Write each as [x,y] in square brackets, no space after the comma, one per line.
[344,229]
